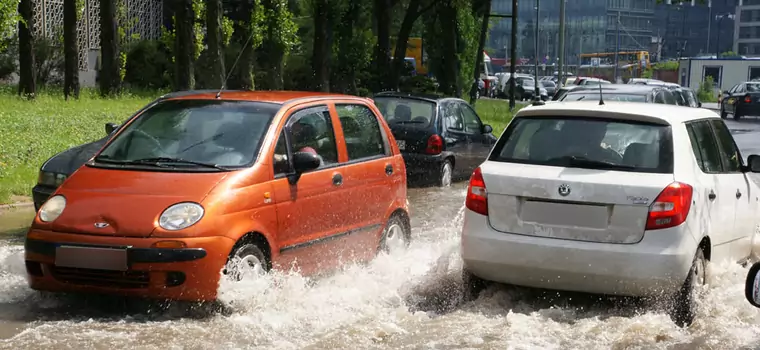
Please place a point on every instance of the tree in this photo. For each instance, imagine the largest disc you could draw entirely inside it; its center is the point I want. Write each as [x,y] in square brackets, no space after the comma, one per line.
[414,10]
[70,49]
[184,45]
[279,34]
[27,75]
[109,75]
[482,8]
[383,10]
[244,37]
[214,41]
[353,41]
[320,60]
[9,18]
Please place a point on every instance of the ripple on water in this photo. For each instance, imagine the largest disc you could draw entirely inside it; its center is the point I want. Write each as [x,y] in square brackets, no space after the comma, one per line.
[407,300]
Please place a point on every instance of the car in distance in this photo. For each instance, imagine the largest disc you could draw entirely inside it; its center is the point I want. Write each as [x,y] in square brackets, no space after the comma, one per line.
[742,99]
[233,182]
[686,97]
[621,93]
[610,199]
[441,138]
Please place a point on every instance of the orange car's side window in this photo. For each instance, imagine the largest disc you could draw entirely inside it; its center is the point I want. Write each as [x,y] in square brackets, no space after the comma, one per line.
[280,158]
[364,139]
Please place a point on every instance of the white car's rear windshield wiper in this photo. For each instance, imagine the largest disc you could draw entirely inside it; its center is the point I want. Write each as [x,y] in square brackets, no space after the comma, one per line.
[576,161]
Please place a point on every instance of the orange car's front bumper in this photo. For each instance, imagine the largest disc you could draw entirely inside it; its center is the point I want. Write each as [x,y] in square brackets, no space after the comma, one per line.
[188,273]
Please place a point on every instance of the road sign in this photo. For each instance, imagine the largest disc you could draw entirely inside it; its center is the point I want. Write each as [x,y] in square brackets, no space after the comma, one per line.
[595,61]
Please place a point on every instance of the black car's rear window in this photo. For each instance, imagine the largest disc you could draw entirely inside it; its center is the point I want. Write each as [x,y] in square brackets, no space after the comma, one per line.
[411,112]
[591,143]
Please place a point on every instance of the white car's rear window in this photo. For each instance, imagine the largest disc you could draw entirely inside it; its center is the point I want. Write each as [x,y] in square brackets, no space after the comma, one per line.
[605,144]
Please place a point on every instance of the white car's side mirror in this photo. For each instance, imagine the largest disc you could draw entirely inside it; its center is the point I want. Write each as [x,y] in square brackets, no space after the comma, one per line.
[752,289]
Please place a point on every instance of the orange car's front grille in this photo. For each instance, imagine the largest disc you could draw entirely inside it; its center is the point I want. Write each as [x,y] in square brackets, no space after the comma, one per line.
[102,278]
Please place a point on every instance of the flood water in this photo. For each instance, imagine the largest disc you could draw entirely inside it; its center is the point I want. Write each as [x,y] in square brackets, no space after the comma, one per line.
[412,300]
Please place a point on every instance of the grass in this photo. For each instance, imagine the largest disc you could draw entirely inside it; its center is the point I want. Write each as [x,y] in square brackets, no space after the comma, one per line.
[33,131]
[496,113]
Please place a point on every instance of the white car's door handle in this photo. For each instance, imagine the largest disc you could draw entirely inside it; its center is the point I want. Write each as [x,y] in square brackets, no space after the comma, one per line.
[738,194]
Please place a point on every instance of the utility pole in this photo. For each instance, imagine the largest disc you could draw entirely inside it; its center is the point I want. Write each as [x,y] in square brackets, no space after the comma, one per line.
[513,59]
[561,62]
[617,46]
[537,94]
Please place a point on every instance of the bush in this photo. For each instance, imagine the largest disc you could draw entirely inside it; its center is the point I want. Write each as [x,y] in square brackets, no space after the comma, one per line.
[706,91]
[9,59]
[149,65]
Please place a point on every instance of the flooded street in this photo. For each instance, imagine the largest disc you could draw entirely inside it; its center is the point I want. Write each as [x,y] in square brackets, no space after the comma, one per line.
[412,300]
[409,301]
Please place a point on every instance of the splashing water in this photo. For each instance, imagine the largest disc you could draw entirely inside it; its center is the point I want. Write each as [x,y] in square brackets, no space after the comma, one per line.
[412,299]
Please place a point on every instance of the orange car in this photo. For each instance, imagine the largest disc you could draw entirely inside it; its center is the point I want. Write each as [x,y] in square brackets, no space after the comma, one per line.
[200,184]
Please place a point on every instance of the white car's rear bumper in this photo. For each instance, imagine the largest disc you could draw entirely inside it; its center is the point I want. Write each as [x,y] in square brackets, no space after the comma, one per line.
[657,264]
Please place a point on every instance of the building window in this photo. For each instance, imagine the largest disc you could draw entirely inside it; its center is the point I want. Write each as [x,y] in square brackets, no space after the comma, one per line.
[754,73]
[716,72]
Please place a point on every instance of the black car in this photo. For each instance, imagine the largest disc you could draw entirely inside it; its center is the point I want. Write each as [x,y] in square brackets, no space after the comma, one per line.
[622,92]
[57,168]
[561,92]
[440,138]
[742,99]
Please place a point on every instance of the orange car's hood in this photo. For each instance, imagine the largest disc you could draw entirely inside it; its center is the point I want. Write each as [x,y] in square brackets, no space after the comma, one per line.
[130,202]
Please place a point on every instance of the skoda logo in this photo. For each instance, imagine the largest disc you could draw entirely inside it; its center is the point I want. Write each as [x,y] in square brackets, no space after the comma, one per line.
[101,224]
[564,190]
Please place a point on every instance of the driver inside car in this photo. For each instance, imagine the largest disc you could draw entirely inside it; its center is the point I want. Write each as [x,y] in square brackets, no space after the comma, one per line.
[585,139]
[304,140]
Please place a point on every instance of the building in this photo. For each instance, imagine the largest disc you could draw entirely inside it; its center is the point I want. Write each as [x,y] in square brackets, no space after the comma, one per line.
[143,18]
[682,31]
[747,27]
[726,72]
[590,26]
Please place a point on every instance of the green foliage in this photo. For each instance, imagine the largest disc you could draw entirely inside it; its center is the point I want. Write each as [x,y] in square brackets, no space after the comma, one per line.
[149,65]
[666,65]
[199,29]
[706,91]
[729,54]
[9,18]
[278,23]
[37,130]
[469,34]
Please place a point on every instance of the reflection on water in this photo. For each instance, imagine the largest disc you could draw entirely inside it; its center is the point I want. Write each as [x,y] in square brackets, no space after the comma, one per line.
[13,222]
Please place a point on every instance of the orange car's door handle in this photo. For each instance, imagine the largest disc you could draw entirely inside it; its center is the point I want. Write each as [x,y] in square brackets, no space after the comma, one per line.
[337,179]
[388,169]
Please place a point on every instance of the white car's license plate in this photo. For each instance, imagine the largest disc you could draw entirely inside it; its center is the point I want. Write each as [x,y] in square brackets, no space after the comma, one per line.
[401,144]
[91,258]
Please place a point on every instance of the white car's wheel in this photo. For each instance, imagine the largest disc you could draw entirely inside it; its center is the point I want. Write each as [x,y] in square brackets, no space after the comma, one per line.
[684,307]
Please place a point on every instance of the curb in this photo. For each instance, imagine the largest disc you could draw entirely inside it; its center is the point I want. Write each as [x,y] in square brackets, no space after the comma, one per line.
[21,205]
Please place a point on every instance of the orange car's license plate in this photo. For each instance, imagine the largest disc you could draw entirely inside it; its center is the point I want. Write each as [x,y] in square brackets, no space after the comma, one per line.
[91,258]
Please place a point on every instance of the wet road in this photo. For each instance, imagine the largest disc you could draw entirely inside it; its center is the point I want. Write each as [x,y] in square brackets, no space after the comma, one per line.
[408,301]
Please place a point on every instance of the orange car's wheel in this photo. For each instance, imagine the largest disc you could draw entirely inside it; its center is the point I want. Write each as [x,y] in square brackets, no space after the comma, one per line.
[247,261]
[397,235]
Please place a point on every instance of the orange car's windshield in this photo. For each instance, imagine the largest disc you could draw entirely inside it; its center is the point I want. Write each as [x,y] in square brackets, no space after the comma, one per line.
[186,134]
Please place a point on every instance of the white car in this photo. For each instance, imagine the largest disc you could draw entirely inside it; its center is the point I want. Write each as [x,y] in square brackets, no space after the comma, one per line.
[619,199]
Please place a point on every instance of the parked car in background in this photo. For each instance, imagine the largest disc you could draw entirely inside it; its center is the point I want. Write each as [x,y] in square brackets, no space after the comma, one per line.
[742,99]
[590,81]
[561,92]
[617,199]
[643,81]
[234,183]
[550,87]
[686,97]
[440,138]
[621,93]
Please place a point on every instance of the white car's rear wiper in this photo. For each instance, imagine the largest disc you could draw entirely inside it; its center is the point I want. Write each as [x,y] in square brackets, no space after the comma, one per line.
[585,162]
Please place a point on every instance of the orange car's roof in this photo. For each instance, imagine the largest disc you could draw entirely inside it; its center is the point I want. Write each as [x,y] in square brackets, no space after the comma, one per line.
[260,96]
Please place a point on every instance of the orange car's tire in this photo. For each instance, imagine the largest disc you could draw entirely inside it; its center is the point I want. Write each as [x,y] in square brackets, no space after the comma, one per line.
[246,260]
[396,236]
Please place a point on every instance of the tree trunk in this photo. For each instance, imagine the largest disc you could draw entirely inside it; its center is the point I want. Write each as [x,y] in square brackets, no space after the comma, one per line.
[70,50]
[184,46]
[450,84]
[481,46]
[272,50]
[320,56]
[344,79]
[27,86]
[413,13]
[242,76]
[109,77]
[382,49]
[214,42]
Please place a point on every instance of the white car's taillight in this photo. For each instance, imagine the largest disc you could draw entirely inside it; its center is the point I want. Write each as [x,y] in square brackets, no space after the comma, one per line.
[477,196]
[671,207]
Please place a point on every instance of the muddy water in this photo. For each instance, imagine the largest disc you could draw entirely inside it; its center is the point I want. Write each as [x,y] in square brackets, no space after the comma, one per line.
[408,301]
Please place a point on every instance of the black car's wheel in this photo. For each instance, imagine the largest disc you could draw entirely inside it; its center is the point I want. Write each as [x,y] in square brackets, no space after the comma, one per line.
[684,307]
[445,173]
